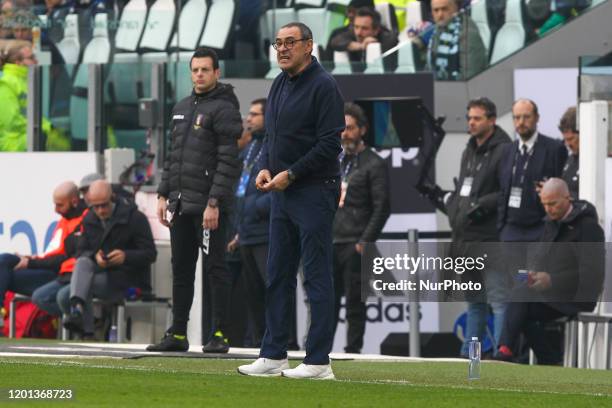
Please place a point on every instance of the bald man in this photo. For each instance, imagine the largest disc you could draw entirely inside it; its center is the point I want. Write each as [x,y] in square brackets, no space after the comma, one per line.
[565,279]
[115,253]
[24,274]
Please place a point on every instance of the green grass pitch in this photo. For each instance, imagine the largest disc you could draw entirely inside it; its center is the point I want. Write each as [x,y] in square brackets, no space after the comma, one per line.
[187,382]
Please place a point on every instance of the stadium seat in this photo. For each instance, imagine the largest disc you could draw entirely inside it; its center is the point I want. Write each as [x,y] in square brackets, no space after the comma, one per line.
[405,59]
[219,24]
[69,46]
[342,63]
[190,25]
[479,15]
[374,61]
[159,26]
[387,16]
[511,36]
[277,18]
[274,69]
[299,4]
[131,25]
[413,19]
[315,19]
[98,50]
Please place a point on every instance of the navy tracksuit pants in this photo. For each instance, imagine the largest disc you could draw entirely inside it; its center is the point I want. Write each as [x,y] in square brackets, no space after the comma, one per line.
[301,220]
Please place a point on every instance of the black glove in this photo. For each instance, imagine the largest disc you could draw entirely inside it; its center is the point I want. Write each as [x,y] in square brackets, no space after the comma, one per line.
[434,194]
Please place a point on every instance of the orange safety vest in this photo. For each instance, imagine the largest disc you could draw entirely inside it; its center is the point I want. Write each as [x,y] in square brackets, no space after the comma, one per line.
[64,228]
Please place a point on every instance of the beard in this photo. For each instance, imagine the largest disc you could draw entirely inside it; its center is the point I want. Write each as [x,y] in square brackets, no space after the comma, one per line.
[350,147]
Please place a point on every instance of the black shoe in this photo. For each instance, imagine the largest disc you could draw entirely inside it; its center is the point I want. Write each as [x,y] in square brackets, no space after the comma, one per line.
[218,344]
[74,322]
[170,342]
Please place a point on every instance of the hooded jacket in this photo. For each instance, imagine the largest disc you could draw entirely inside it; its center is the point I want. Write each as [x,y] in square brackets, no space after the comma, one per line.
[13,115]
[576,260]
[203,159]
[482,164]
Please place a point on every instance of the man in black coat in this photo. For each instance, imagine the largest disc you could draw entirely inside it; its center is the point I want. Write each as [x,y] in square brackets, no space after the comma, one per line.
[115,252]
[472,213]
[197,188]
[531,159]
[362,213]
[566,277]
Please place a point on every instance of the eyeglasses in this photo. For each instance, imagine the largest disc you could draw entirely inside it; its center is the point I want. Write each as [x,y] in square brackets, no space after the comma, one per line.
[100,206]
[288,42]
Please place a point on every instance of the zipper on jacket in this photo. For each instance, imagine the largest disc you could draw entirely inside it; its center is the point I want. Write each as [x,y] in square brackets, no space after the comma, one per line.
[180,172]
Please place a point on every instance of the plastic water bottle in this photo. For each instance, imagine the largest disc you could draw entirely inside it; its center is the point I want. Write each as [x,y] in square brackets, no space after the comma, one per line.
[474,367]
[112,334]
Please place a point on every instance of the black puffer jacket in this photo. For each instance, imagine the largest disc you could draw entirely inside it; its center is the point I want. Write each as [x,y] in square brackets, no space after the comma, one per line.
[366,205]
[203,158]
[481,163]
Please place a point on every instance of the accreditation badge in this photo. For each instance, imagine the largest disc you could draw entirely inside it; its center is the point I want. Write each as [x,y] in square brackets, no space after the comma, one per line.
[466,188]
[514,201]
[199,121]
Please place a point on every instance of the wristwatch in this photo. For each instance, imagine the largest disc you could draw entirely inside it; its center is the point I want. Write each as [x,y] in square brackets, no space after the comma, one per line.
[290,176]
[213,202]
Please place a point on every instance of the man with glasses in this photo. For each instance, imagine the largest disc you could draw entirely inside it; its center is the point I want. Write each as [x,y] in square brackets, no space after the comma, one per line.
[253,223]
[304,119]
[197,189]
[115,252]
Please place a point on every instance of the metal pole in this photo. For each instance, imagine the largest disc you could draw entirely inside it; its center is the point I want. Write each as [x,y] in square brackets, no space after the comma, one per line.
[415,331]
[34,131]
[95,106]
[158,93]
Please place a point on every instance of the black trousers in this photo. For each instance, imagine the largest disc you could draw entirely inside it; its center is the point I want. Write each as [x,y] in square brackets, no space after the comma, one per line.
[530,318]
[254,264]
[185,239]
[347,282]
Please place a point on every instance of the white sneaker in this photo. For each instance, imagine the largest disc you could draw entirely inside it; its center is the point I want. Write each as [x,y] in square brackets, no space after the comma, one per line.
[264,367]
[316,372]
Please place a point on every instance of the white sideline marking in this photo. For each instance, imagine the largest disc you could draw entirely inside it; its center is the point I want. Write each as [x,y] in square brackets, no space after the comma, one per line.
[370,382]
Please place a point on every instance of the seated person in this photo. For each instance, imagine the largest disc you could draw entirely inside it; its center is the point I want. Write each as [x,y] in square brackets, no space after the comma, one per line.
[567,278]
[118,190]
[455,50]
[115,253]
[351,10]
[367,29]
[24,274]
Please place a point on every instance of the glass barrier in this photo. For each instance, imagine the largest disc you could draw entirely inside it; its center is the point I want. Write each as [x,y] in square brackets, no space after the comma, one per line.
[590,65]
[65,38]
[455,46]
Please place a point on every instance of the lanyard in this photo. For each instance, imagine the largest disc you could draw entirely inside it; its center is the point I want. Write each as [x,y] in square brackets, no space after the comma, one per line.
[347,168]
[248,164]
[529,153]
[473,170]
